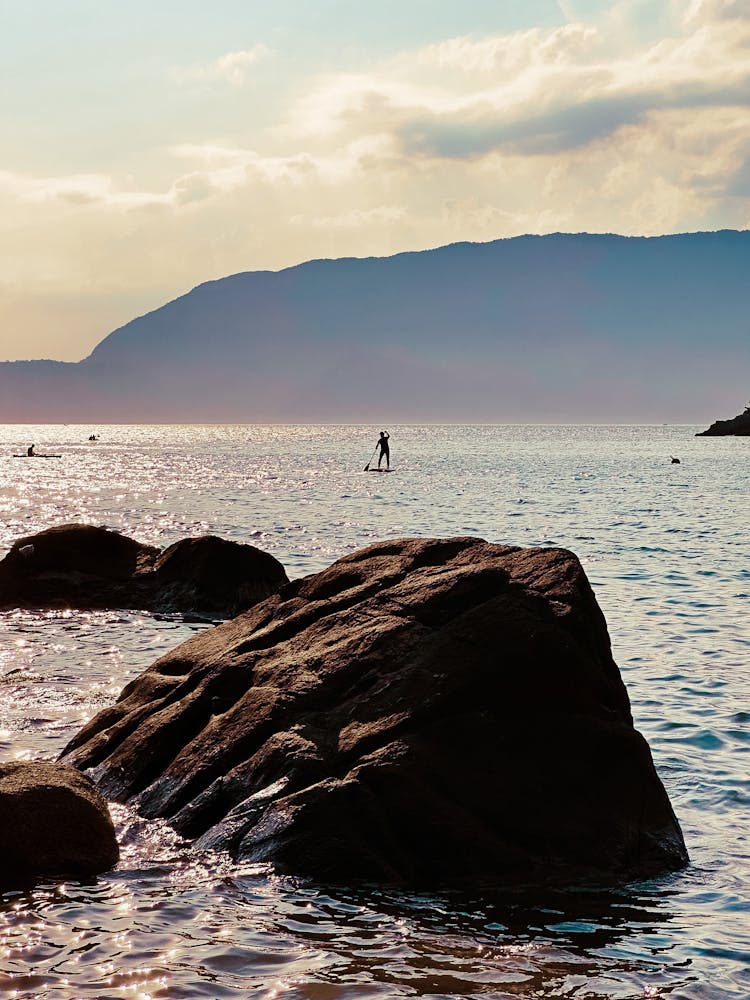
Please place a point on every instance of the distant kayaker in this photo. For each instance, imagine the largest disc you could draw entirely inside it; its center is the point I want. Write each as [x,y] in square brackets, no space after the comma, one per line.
[30,451]
[385,451]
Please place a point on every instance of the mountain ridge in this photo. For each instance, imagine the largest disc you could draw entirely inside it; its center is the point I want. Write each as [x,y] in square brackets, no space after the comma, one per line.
[556,327]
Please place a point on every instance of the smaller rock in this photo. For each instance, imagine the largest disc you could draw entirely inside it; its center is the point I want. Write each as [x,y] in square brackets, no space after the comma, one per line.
[216,575]
[53,823]
[76,566]
[84,566]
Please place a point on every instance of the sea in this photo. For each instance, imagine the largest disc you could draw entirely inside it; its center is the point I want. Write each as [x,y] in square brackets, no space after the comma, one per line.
[666,548]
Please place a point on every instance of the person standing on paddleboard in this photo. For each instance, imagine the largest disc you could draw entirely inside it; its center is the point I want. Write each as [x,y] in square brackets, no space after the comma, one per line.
[385,451]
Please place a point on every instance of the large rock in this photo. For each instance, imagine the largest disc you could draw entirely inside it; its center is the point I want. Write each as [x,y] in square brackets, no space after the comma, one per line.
[739,425]
[82,566]
[423,709]
[53,823]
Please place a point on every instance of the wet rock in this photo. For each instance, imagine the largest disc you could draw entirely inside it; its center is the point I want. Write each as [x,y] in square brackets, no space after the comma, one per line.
[739,425]
[53,823]
[83,566]
[213,574]
[421,710]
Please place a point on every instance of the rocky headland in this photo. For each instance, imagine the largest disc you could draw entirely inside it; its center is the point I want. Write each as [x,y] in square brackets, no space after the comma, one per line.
[739,425]
[83,566]
[422,710]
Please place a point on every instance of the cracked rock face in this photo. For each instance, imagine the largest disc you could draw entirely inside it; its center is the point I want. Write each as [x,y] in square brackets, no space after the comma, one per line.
[422,710]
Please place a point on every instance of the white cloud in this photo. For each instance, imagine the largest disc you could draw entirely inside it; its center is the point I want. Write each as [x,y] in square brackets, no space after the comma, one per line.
[505,55]
[699,12]
[230,68]
[76,190]
[355,218]
[539,91]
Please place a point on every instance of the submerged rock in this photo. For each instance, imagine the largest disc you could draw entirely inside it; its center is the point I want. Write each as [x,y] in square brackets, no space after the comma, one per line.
[82,566]
[421,710]
[739,425]
[53,823]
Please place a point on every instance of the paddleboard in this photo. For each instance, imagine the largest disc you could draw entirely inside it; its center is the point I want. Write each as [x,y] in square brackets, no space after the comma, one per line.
[37,456]
[380,470]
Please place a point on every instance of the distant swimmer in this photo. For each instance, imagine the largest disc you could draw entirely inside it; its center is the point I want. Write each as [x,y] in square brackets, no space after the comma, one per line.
[675,461]
[385,451]
[93,437]
[30,451]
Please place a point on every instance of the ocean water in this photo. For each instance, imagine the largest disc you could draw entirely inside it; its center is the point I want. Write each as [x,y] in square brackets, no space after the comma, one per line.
[666,549]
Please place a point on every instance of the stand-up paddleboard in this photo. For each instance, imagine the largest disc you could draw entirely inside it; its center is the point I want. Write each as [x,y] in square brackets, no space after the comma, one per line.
[37,456]
[380,470]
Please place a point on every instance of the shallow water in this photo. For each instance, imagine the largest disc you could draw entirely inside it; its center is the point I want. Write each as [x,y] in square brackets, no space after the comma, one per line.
[665,548]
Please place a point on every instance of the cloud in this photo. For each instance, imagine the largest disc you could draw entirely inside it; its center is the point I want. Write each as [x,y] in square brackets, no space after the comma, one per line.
[228,167]
[229,68]
[76,190]
[701,12]
[506,55]
[357,218]
[541,91]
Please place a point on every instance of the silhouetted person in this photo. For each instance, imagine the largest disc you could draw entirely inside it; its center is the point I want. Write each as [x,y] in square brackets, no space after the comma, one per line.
[675,461]
[385,451]
[30,451]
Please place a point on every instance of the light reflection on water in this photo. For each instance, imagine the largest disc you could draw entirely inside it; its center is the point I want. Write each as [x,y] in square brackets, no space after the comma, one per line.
[180,925]
[664,547]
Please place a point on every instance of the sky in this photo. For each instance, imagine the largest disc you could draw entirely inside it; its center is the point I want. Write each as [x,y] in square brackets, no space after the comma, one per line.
[148,147]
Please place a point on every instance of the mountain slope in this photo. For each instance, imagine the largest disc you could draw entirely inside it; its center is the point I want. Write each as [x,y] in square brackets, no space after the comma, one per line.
[574,327]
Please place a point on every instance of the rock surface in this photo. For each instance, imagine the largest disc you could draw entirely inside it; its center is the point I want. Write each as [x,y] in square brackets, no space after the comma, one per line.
[421,710]
[739,425]
[53,823]
[82,566]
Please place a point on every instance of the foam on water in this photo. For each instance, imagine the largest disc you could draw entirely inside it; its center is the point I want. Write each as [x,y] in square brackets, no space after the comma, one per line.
[665,548]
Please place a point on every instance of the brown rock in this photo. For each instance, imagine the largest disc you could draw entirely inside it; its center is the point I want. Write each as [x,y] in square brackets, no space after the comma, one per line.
[83,566]
[213,574]
[53,823]
[421,710]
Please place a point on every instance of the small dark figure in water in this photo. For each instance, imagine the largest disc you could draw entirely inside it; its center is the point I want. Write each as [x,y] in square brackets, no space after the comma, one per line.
[93,437]
[30,451]
[385,451]
[675,461]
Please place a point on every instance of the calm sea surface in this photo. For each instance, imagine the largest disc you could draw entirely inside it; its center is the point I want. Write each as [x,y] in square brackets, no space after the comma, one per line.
[666,549]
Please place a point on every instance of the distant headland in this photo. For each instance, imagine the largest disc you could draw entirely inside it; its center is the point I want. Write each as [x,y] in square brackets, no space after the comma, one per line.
[533,329]
[739,425]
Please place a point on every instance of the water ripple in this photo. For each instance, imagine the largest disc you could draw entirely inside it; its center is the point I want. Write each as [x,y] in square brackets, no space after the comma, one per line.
[666,554]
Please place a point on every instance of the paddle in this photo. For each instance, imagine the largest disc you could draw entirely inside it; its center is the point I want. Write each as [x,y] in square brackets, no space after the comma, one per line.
[367,467]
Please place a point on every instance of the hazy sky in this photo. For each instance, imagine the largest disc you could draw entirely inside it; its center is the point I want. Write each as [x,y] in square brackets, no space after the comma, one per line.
[149,146]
